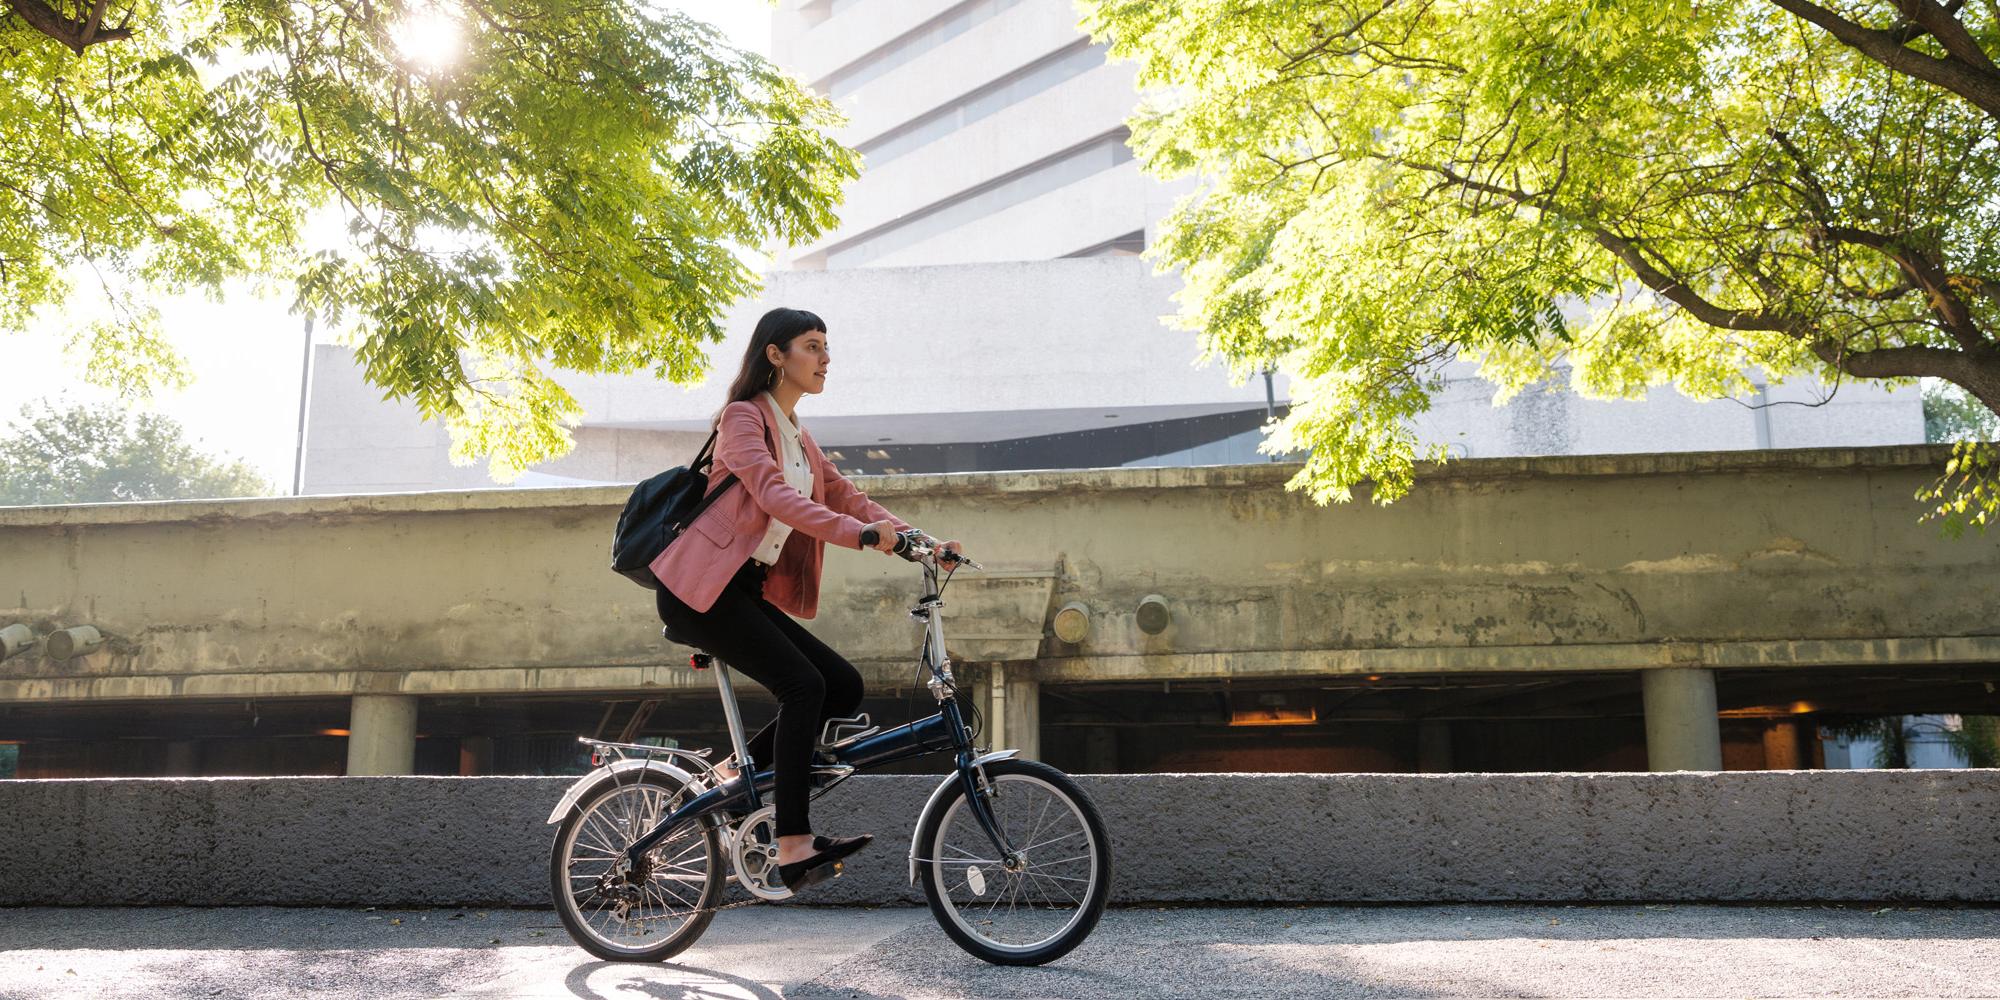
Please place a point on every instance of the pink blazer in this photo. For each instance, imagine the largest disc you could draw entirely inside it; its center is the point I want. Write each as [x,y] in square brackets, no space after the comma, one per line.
[707,555]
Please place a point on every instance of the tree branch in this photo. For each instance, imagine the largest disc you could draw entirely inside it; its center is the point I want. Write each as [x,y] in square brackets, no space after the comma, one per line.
[1944,25]
[96,18]
[75,35]
[1677,291]
[1971,81]
[1980,377]
[1953,314]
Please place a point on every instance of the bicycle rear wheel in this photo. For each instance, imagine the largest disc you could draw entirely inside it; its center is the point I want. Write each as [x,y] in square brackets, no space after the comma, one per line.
[644,914]
[1035,910]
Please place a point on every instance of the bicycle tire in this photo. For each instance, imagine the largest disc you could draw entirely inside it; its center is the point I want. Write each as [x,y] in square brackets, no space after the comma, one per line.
[933,868]
[563,862]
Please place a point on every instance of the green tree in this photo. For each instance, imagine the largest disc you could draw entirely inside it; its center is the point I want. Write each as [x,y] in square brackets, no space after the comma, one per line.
[1891,735]
[102,454]
[1952,415]
[1976,740]
[1623,195]
[526,185]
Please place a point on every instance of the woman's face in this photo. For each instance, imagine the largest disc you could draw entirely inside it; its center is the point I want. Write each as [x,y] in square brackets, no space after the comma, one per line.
[804,365]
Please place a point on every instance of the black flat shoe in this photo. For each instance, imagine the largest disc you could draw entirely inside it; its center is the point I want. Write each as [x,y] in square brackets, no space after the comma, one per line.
[824,864]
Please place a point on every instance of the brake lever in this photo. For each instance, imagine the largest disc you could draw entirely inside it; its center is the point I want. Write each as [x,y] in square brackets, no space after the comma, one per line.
[959,558]
[915,551]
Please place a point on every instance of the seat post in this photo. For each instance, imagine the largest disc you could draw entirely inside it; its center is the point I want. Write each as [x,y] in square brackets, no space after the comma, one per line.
[730,712]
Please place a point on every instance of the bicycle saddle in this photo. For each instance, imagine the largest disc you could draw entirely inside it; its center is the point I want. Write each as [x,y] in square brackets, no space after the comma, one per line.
[670,635]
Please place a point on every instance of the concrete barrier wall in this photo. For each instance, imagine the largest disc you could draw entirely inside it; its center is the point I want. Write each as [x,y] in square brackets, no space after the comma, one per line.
[1802,835]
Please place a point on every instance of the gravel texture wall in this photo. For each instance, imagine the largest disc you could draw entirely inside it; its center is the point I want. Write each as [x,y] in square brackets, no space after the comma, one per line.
[1799,835]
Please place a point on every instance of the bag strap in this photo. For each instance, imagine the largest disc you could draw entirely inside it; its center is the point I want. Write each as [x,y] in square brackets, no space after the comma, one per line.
[727,481]
[703,456]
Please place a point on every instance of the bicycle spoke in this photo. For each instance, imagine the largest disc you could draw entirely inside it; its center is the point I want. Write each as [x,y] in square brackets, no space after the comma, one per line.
[1062,861]
[1036,830]
[969,856]
[1060,878]
[1052,840]
[1058,888]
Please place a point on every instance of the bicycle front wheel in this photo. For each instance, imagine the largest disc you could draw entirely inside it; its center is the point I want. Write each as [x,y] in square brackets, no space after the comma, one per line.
[1044,902]
[621,913]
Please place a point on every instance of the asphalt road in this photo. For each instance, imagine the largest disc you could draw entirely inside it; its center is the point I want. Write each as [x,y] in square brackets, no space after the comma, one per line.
[768,952]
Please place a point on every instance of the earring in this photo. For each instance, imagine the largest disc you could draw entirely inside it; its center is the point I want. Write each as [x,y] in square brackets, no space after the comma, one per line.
[774,378]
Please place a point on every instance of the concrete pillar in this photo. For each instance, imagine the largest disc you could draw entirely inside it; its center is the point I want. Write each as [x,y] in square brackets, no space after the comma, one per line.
[1682,731]
[1100,750]
[1781,746]
[1009,697]
[475,755]
[1433,746]
[382,734]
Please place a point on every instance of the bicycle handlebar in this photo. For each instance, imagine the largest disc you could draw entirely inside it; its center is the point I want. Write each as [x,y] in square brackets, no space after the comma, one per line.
[914,545]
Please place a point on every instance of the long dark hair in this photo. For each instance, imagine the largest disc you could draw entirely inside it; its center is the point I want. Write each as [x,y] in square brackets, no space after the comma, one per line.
[778,328]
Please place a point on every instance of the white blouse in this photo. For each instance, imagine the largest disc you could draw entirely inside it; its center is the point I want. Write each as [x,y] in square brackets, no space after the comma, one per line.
[798,475]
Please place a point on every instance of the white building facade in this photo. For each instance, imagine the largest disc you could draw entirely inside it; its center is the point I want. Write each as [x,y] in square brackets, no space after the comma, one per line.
[991,241]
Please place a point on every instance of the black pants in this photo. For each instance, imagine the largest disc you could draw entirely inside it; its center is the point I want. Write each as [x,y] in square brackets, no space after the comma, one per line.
[813,683]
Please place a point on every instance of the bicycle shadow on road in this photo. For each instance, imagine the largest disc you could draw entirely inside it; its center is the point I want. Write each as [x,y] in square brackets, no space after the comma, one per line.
[666,981]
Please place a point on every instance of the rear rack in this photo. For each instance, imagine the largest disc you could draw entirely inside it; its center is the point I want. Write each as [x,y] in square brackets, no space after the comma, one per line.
[601,749]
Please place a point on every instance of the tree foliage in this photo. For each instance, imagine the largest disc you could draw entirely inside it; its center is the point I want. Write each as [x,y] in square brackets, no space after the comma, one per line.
[1976,741]
[1951,415]
[1620,194]
[526,185]
[103,454]
[1892,736]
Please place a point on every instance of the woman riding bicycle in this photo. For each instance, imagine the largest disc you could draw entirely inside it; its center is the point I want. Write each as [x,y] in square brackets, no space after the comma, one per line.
[752,559]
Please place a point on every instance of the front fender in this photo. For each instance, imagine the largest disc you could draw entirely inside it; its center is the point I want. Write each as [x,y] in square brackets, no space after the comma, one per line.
[611,772]
[938,795]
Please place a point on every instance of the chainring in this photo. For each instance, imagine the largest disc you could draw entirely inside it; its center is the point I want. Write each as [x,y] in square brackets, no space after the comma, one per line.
[753,854]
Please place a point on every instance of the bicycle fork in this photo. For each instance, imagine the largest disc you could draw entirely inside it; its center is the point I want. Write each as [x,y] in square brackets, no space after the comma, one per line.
[973,778]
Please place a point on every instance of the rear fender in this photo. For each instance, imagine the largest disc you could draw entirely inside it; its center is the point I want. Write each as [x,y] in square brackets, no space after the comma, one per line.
[615,771]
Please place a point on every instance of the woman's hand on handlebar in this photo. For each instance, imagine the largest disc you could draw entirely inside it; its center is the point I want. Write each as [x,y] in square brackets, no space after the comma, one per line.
[885,536]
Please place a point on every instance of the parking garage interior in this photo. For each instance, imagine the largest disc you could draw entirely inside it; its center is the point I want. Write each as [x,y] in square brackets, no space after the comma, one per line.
[1769,718]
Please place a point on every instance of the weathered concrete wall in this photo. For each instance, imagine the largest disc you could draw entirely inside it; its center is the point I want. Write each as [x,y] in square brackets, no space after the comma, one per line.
[1607,563]
[1797,835]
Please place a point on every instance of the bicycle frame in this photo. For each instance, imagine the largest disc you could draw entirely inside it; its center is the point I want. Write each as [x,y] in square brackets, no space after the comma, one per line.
[944,731]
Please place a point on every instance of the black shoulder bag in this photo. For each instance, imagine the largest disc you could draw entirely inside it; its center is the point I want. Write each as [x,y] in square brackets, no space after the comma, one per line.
[656,513]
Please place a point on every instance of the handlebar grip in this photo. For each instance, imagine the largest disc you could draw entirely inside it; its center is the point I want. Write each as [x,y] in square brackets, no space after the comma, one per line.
[869,538]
